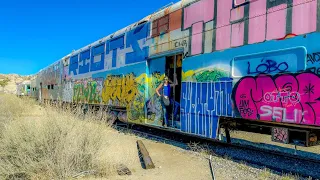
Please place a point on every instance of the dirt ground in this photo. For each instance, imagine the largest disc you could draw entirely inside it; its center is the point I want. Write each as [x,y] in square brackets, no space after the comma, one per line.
[172,162]
[177,164]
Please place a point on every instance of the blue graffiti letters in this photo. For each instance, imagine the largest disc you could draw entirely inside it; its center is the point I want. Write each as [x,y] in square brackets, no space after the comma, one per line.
[268,66]
[314,57]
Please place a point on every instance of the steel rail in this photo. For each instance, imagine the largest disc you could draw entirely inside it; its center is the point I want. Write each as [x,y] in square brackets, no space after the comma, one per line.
[163,137]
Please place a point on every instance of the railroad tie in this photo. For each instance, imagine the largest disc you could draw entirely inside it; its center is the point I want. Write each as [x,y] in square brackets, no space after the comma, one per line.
[145,155]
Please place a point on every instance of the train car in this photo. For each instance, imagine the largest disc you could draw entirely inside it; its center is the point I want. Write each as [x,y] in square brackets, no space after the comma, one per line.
[23,88]
[34,89]
[247,62]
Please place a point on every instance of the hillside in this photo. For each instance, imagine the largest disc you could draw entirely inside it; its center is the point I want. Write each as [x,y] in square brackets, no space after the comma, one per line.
[14,79]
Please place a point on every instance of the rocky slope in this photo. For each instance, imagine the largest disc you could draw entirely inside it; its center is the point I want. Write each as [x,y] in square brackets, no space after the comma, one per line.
[14,79]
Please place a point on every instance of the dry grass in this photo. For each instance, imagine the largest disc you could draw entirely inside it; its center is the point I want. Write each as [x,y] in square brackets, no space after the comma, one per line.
[48,143]
[43,143]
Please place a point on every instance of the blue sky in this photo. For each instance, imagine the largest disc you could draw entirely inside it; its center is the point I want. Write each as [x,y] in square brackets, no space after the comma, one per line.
[36,33]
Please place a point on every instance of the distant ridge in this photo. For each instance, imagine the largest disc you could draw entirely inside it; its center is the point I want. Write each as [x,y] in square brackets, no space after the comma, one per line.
[14,80]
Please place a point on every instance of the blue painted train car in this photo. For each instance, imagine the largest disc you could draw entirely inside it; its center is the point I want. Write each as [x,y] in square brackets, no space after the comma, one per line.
[253,61]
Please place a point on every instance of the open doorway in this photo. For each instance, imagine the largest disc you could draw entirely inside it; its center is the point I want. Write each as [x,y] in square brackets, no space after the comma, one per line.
[174,67]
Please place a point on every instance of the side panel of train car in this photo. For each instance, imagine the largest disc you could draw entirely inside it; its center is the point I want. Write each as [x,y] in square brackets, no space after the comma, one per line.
[253,59]
[23,89]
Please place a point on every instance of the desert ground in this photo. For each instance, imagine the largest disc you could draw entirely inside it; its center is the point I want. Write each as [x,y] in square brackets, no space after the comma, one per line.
[41,142]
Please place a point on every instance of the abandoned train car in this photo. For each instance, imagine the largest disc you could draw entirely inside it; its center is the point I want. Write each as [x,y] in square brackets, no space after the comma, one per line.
[23,89]
[245,61]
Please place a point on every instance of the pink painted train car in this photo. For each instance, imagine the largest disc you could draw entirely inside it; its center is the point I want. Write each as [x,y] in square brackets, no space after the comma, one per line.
[244,62]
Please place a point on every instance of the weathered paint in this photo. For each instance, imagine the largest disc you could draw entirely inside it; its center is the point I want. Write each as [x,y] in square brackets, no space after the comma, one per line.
[229,47]
[24,88]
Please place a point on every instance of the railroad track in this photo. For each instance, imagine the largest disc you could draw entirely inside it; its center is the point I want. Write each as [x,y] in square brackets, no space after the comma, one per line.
[276,161]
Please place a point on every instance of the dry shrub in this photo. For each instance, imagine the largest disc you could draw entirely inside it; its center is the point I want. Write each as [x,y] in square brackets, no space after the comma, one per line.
[57,144]
[14,107]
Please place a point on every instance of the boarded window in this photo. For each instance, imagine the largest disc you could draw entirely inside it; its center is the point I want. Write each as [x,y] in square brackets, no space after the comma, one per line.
[160,26]
[175,20]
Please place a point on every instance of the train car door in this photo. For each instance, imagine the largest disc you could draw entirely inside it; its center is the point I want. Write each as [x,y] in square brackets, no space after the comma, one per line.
[174,69]
[155,73]
[171,66]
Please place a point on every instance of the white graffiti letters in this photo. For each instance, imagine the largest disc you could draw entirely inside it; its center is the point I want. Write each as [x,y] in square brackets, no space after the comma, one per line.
[284,97]
[281,113]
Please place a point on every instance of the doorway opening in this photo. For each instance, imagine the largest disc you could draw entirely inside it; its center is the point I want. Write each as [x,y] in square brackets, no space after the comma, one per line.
[173,68]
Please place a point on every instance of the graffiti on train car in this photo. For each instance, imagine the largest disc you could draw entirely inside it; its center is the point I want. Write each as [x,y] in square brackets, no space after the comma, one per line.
[153,104]
[52,75]
[268,66]
[203,103]
[290,98]
[67,91]
[272,62]
[313,58]
[313,61]
[210,74]
[279,134]
[126,91]
[195,24]
[119,90]
[222,26]
[87,91]
[199,27]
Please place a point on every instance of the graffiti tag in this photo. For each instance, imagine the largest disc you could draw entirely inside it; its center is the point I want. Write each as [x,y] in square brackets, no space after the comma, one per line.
[314,57]
[280,135]
[119,90]
[268,66]
[87,91]
[315,70]
[284,97]
[182,43]
[292,98]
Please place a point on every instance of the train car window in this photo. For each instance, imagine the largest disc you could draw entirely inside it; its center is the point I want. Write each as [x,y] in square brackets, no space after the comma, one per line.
[48,86]
[154,28]
[52,86]
[160,26]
